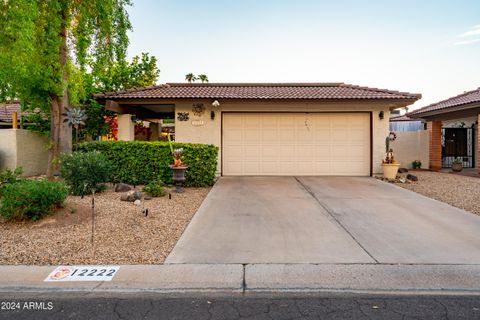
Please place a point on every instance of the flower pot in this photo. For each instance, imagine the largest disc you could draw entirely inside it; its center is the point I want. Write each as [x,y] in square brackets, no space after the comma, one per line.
[457,167]
[390,170]
[178,177]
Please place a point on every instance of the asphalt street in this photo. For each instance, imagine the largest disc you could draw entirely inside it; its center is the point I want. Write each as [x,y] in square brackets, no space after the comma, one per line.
[298,306]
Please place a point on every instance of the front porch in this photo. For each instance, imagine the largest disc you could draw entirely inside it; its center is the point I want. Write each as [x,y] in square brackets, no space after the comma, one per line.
[153,114]
[453,131]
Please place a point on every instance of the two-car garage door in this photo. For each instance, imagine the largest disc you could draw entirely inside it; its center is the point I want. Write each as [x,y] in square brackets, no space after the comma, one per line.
[296,144]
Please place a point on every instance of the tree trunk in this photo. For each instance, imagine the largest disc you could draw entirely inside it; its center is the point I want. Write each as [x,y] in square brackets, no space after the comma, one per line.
[60,132]
[54,136]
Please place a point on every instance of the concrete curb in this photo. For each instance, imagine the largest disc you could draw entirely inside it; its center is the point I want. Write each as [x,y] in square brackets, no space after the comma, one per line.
[131,278]
[258,278]
[363,278]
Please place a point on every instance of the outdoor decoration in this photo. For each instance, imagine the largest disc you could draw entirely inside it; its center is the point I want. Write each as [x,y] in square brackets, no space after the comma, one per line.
[457,165]
[75,117]
[389,164]
[177,168]
[183,116]
[198,109]
[392,136]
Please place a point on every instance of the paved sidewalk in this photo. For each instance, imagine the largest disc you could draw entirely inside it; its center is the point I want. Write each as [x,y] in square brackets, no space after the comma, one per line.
[237,278]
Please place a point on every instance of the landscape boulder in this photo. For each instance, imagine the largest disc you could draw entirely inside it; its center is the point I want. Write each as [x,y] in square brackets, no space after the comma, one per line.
[411,177]
[131,196]
[402,170]
[122,187]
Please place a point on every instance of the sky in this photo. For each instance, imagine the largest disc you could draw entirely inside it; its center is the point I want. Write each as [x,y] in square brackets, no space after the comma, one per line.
[430,47]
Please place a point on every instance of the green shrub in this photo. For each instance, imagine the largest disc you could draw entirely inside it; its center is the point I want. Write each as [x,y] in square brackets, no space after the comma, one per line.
[85,172]
[417,164]
[139,162]
[8,177]
[155,189]
[31,199]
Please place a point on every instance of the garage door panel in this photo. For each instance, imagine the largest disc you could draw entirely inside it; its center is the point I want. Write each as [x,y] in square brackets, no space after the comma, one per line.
[322,152]
[233,135]
[286,135]
[296,144]
[269,135]
[251,151]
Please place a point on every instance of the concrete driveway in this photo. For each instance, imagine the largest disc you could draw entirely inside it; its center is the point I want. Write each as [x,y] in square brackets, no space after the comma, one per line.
[325,220]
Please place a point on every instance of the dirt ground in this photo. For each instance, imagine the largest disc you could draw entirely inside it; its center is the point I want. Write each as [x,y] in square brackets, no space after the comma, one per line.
[123,233]
[459,191]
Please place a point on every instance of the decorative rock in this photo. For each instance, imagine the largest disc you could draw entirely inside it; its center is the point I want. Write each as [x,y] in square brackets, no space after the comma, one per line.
[147,198]
[122,187]
[137,202]
[131,196]
[124,197]
[411,177]
[402,170]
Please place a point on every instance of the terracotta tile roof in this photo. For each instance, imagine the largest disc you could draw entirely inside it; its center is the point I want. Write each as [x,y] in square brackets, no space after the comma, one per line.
[258,91]
[462,99]
[401,118]
[6,110]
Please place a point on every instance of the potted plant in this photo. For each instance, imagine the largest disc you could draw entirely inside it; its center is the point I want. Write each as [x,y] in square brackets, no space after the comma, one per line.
[417,164]
[389,164]
[457,164]
[177,168]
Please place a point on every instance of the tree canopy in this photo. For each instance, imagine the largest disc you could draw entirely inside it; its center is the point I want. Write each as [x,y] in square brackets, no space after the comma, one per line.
[46,47]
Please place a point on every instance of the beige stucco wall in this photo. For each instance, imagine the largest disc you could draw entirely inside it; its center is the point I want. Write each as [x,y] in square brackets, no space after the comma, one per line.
[8,149]
[410,146]
[201,129]
[23,148]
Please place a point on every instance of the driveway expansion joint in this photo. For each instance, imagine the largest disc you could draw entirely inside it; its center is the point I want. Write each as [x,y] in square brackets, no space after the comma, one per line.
[327,209]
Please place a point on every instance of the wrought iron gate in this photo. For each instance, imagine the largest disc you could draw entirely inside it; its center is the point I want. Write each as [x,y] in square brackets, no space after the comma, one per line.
[458,143]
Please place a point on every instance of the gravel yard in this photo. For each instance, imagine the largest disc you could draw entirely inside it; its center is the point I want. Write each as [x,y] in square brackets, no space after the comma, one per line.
[459,191]
[123,234]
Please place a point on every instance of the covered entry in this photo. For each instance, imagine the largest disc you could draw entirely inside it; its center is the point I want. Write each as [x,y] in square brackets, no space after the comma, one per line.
[458,143]
[296,144]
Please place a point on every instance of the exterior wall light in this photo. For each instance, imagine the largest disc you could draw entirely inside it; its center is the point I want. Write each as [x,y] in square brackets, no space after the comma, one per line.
[380,115]
[215,104]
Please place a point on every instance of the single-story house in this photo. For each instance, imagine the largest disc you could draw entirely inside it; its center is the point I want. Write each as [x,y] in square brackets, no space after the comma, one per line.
[403,123]
[6,113]
[271,128]
[453,128]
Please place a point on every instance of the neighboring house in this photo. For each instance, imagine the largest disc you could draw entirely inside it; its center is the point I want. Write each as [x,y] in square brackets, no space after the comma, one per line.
[6,113]
[403,123]
[272,128]
[453,127]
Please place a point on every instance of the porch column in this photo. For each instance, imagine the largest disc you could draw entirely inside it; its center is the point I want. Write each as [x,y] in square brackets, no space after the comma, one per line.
[126,128]
[154,129]
[435,144]
[477,145]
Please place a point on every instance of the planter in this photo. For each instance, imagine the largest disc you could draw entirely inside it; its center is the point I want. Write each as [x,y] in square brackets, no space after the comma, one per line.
[178,177]
[457,167]
[390,170]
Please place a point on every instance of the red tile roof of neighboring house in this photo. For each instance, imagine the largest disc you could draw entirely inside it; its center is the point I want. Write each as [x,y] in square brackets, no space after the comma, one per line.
[258,91]
[401,118]
[7,109]
[462,99]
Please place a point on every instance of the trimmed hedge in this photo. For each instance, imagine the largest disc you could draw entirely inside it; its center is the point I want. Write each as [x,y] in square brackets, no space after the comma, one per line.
[140,162]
